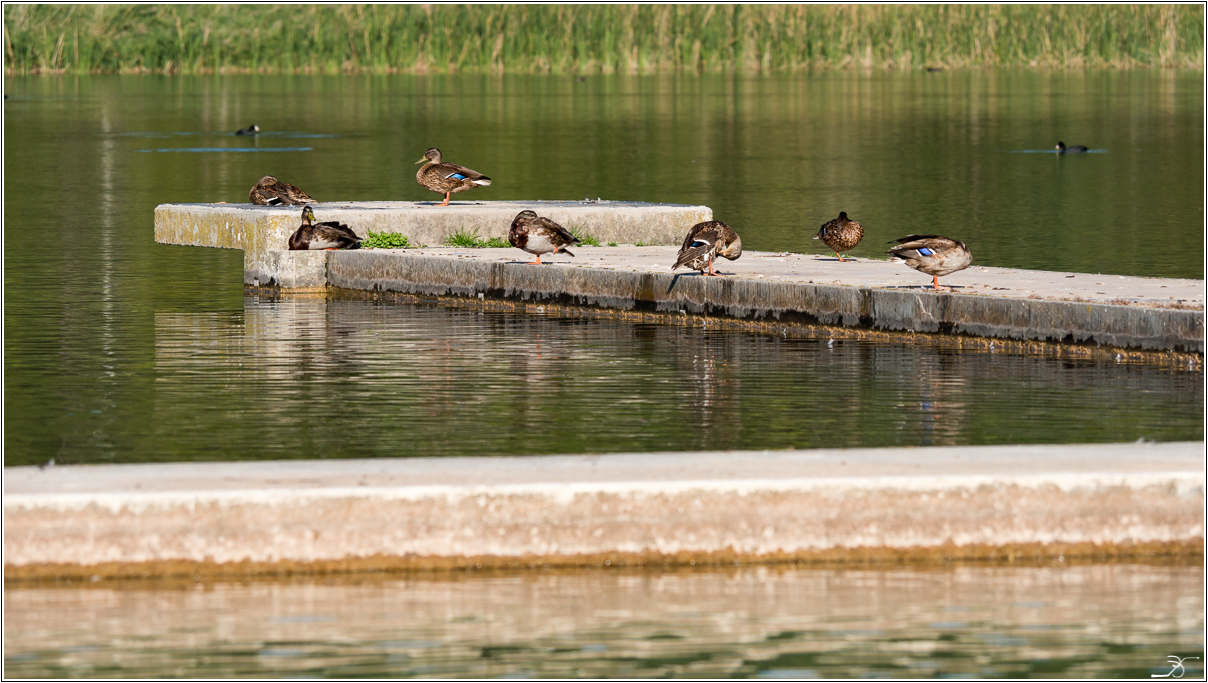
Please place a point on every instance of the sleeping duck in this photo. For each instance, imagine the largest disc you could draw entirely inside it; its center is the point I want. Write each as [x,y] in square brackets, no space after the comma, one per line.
[250,130]
[933,255]
[841,234]
[272,192]
[538,235]
[705,242]
[327,235]
[1062,149]
[447,178]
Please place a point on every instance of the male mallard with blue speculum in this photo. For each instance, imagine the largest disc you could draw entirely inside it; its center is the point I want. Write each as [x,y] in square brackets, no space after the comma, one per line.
[704,243]
[841,234]
[447,178]
[272,192]
[933,255]
[326,235]
[538,235]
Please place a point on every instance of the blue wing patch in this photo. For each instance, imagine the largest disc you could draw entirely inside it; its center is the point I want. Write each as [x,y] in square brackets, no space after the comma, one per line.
[699,243]
[456,176]
[925,251]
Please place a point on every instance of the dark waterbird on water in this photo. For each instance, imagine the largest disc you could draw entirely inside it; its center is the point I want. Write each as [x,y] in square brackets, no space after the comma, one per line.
[538,235]
[1062,149]
[447,178]
[932,254]
[327,235]
[250,130]
[841,234]
[704,243]
[269,191]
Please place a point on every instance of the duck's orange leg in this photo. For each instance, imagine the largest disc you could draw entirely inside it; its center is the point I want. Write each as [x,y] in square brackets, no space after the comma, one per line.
[446,202]
[537,262]
[841,259]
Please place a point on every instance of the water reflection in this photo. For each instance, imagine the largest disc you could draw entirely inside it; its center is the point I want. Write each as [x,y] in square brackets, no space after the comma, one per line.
[1082,621]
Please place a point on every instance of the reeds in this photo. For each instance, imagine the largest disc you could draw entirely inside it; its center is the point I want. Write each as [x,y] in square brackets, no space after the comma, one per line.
[594,38]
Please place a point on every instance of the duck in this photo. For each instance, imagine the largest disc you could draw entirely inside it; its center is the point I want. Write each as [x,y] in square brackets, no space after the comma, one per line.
[269,191]
[447,178]
[1062,149]
[841,234]
[328,235]
[250,130]
[933,255]
[704,243]
[538,235]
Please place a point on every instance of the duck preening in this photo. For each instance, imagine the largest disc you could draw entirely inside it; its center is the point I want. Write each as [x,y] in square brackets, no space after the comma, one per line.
[327,235]
[841,234]
[1062,149]
[538,235]
[272,192]
[704,243]
[447,178]
[250,130]
[932,254]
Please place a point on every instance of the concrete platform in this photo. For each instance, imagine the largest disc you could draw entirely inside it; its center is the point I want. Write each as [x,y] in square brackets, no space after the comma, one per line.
[650,507]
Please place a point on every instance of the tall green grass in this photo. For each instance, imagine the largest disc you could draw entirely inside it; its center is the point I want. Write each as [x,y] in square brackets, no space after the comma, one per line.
[594,38]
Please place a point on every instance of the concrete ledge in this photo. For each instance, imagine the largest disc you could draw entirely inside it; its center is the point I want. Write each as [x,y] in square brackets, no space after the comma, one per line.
[749,505]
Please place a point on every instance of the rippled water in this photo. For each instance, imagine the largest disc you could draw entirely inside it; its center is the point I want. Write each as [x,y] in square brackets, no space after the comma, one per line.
[1091,621]
[117,348]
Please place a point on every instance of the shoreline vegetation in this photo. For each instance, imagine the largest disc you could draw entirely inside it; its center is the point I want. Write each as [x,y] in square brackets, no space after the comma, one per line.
[589,39]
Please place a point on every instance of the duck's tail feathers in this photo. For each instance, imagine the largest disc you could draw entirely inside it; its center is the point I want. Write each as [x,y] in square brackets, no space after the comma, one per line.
[482,181]
[691,255]
[274,201]
[564,250]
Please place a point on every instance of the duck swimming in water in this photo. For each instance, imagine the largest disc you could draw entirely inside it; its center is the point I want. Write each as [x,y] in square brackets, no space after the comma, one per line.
[327,235]
[538,235]
[1062,149]
[447,178]
[841,234]
[250,130]
[269,191]
[933,254]
[704,243]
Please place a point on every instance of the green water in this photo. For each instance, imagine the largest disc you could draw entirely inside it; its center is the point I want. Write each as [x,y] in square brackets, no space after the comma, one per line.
[119,349]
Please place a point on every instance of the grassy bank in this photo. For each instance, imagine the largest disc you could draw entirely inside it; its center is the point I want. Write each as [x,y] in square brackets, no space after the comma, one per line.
[594,39]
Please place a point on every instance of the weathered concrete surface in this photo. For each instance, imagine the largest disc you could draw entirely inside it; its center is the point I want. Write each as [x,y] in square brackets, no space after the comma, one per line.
[259,229]
[752,504]
[1115,311]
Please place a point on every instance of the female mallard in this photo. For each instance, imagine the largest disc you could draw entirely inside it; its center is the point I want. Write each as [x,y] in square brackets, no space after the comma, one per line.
[933,255]
[841,234]
[447,178]
[250,130]
[272,192]
[538,235]
[1062,149]
[327,235]
[705,242]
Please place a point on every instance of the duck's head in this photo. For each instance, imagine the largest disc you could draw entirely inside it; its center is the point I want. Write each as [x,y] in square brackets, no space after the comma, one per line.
[842,215]
[433,155]
[266,180]
[254,128]
[1060,145]
[527,213]
[733,250]
[308,215]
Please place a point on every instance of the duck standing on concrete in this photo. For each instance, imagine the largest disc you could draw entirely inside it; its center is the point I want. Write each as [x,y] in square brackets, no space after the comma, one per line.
[1062,149]
[250,130]
[447,178]
[327,235]
[538,235]
[705,242]
[269,191]
[841,234]
[933,255]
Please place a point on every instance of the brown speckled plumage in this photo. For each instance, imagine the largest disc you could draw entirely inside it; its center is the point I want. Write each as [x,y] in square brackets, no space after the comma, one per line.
[932,254]
[704,243]
[272,192]
[445,178]
[841,234]
[327,235]
[538,235]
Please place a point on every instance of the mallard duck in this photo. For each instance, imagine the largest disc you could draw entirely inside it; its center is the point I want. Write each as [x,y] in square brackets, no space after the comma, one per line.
[447,178]
[250,130]
[538,235]
[1062,149]
[705,242]
[327,235]
[841,234]
[933,255]
[272,192]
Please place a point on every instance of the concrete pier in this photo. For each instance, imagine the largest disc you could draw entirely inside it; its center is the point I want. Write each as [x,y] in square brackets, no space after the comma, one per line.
[812,289]
[968,501]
